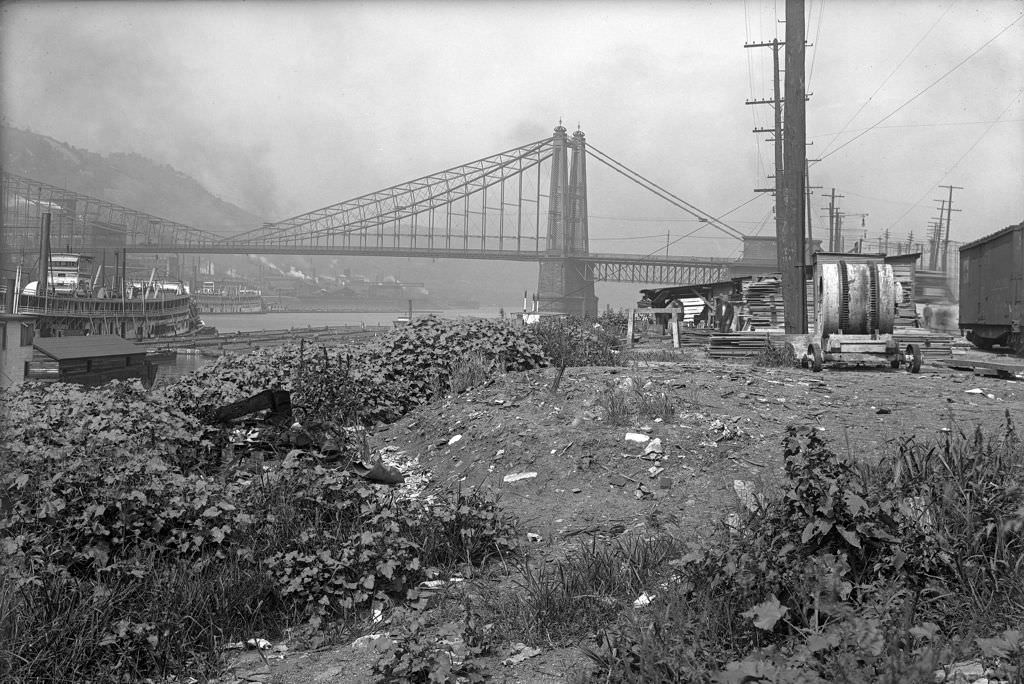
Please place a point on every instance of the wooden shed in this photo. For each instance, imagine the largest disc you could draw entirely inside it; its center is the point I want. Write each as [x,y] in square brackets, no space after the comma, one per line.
[88,360]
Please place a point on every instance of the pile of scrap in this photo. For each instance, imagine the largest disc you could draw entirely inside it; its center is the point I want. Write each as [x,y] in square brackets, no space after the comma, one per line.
[933,345]
[737,344]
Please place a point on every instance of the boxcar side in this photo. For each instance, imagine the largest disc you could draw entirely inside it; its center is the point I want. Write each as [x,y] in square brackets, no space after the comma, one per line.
[992,289]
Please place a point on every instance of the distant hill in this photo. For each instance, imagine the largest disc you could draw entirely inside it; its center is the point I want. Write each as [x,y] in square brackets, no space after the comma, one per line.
[127,179]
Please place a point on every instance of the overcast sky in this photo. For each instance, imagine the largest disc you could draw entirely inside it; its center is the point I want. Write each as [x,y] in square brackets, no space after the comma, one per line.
[284,107]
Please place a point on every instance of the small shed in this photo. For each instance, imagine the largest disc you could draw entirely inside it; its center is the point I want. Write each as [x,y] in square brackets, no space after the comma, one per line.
[88,360]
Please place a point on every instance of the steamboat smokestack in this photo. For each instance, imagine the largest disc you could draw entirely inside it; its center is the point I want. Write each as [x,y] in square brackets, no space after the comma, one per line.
[44,255]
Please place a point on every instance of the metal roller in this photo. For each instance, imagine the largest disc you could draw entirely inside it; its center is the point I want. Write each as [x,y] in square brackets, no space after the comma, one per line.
[855,298]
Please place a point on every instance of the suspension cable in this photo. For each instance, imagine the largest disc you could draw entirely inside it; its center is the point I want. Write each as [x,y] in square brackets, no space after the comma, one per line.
[666,195]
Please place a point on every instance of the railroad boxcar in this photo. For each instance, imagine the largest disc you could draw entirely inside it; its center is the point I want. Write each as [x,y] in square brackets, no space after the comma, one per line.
[992,289]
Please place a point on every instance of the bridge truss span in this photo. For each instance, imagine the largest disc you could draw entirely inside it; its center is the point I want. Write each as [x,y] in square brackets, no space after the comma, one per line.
[618,268]
[492,204]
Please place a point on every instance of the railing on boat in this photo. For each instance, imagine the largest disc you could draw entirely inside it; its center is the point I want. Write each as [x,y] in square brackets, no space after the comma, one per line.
[89,307]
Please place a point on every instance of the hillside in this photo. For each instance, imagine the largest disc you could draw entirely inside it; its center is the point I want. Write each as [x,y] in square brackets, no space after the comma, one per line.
[129,179]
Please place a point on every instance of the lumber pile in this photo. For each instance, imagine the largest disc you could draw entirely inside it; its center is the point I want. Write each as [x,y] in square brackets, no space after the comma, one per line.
[737,344]
[762,301]
[695,337]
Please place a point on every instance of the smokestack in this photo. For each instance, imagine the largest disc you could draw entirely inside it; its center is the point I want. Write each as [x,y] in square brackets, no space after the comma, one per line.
[9,285]
[44,255]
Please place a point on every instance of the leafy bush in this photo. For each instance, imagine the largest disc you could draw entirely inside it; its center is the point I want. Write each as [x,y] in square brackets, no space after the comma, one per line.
[113,538]
[414,654]
[572,342]
[41,419]
[389,376]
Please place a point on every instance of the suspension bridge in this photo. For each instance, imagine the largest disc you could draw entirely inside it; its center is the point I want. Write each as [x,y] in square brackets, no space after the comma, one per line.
[528,203]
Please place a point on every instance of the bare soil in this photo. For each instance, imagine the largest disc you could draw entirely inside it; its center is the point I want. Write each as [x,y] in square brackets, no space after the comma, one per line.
[727,424]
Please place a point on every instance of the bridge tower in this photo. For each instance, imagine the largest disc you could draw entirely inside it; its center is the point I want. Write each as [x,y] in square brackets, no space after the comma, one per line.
[566,282]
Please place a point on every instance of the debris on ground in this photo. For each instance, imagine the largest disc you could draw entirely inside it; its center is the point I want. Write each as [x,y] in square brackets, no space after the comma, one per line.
[516,477]
[643,600]
[520,652]
[378,471]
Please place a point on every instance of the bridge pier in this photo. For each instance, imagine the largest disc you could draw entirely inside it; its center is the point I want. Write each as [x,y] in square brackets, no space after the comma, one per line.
[567,286]
[566,282]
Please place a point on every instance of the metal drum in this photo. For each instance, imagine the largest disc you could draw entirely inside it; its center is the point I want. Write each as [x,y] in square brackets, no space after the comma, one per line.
[855,298]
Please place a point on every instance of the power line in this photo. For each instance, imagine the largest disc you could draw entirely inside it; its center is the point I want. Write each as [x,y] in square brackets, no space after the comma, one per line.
[653,219]
[924,125]
[886,79]
[817,32]
[963,156]
[925,89]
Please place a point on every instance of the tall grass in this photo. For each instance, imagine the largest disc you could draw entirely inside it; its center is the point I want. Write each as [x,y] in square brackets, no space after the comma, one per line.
[560,602]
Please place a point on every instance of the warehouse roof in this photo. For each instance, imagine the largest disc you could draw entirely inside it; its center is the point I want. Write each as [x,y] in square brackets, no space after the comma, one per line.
[85,347]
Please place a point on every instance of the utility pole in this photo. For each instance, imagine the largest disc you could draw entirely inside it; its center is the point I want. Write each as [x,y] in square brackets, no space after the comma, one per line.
[949,211]
[832,220]
[936,237]
[776,102]
[792,251]
[807,200]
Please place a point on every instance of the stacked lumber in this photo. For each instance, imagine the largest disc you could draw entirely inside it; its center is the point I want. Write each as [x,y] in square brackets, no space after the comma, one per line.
[762,301]
[737,344]
[933,345]
[906,310]
[695,337]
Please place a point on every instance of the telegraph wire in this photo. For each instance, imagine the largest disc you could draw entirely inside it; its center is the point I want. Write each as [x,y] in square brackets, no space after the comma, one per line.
[922,125]
[817,32]
[925,89]
[886,79]
[1020,93]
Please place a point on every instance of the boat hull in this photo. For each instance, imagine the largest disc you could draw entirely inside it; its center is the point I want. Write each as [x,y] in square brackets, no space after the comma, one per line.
[161,316]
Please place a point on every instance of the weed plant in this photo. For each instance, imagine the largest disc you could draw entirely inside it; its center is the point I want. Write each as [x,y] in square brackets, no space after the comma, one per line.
[854,573]
[776,356]
[556,603]
[570,342]
[634,402]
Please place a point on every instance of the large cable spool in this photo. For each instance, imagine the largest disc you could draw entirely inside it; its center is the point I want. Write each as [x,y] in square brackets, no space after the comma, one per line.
[855,298]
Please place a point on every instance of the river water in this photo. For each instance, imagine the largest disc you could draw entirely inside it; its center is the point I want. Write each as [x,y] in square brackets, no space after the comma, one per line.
[229,323]
[282,321]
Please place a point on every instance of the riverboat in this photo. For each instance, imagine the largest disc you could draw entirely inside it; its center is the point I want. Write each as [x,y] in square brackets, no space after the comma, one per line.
[73,303]
[212,298]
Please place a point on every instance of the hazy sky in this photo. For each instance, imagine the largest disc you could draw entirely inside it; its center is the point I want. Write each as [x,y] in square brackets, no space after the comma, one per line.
[285,107]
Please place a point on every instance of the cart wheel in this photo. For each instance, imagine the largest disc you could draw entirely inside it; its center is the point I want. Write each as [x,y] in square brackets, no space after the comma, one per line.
[914,358]
[814,352]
